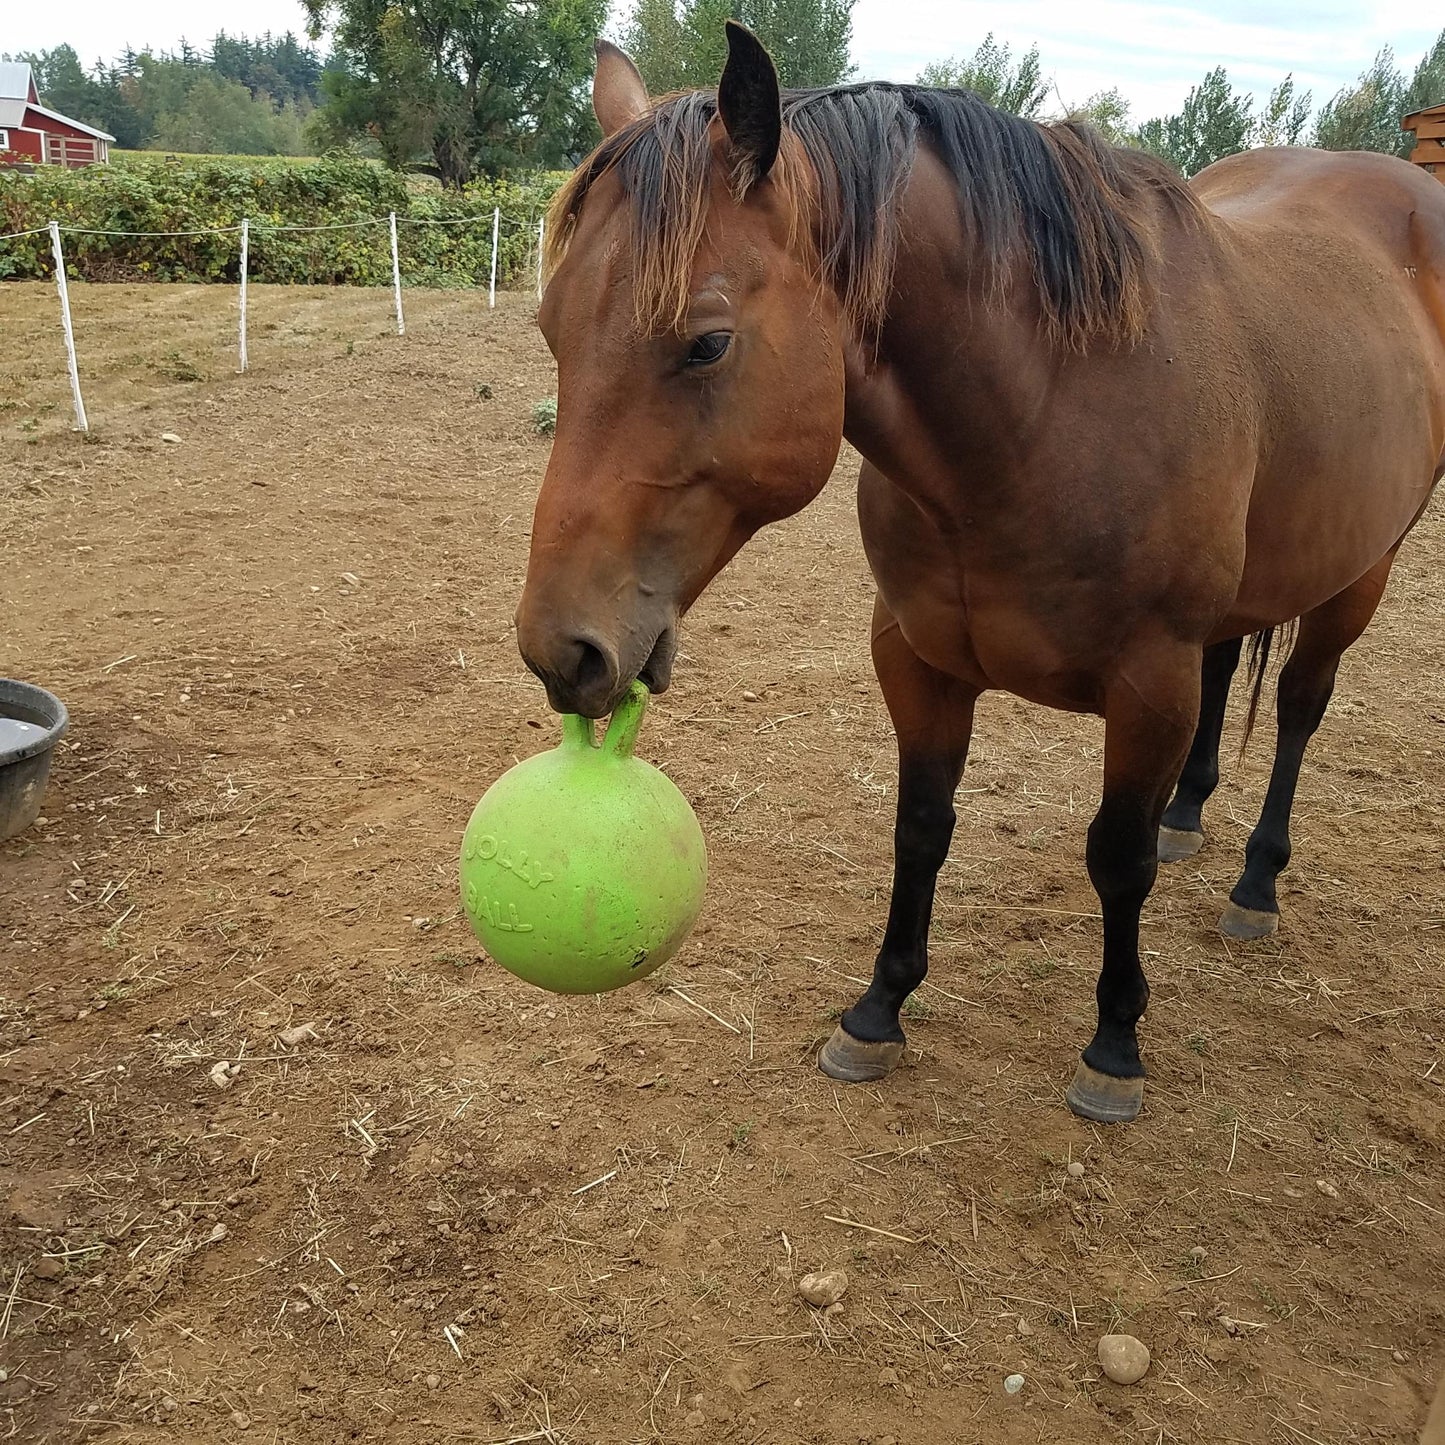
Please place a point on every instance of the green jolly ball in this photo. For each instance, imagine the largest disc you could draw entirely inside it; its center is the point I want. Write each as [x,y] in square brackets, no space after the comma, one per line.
[583,869]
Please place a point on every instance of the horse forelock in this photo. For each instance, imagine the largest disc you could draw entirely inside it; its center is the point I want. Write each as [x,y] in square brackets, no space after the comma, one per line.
[1078,209]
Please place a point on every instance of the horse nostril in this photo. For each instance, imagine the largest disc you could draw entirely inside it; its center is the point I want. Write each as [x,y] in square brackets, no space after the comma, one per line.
[592,672]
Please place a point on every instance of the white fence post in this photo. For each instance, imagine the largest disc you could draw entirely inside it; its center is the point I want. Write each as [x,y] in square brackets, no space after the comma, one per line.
[81,424]
[396,279]
[245,268]
[496,230]
[541,243]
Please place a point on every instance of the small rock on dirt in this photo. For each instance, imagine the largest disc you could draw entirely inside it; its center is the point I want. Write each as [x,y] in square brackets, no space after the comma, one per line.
[1199,1254]
[48,1269]
[750,697]
[240,1420]
[1013,1384]
[824,1288]
[1076,1170]
[293,1036]
[433,1382]
[222,1073]
[1327,1189]
[170,439]
[1123,1359]
[694,1420]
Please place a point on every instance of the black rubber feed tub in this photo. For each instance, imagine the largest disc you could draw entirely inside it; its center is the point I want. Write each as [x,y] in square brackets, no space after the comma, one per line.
[32,721]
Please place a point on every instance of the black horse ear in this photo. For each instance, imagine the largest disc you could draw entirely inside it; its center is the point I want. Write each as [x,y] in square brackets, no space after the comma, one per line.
[619,95]
[750,103]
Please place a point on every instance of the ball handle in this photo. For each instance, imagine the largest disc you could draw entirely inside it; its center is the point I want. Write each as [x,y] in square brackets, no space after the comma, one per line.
[622,731]
[621,735]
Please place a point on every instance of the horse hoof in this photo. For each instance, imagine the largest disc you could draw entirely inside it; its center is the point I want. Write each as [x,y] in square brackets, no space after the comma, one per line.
[1247,923]
[852,1061]
[1103,1098]
[1177,844]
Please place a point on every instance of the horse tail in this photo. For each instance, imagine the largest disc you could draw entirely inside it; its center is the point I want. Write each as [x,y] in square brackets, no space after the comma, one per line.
[1261,649]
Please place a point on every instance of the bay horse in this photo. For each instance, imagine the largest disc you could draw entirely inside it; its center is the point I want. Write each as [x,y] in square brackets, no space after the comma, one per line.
[1112,423]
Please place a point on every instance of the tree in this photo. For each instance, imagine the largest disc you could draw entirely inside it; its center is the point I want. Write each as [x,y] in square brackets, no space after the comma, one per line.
[808,39]
[682,44]
[222,117]
[1215,122]
[1284,117]
[992,73]
[1108,113]
[658,42]
[458,87]
[1427,87]
[1366,116]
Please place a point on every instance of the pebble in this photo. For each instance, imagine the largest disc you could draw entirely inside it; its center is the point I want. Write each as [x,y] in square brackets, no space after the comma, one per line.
[1013,1384]
[1398,1356]
[48,1269]
[825,1288]
[1123,1359]
[298,1035]
[750,697]
[433,1382]
[1327,1189]
[240,1421]
[222,1073]
[170,438]
[1076,1170]
[694,1420]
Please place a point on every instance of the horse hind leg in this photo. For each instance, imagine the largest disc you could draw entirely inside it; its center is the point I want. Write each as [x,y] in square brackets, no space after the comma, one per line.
[1181,834]
[1305,685]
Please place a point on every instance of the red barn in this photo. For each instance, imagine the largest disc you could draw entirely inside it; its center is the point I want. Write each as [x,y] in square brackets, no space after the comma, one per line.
[32,135]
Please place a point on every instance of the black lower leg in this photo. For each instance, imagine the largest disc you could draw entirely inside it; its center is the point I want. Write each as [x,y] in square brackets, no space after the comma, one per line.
[1122,867]
[1200,776]
[921,837]
[1305,686]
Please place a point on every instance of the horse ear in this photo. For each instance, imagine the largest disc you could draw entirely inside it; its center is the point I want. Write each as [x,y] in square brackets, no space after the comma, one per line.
[750,102]
[619,93]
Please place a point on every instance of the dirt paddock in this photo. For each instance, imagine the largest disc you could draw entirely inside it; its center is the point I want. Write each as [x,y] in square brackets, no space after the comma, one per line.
[460,1210]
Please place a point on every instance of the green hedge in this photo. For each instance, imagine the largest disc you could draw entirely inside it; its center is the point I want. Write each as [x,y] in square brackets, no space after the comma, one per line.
[193,195]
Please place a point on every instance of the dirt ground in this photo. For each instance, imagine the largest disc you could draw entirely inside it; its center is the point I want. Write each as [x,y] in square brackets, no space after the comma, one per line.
[468,1211]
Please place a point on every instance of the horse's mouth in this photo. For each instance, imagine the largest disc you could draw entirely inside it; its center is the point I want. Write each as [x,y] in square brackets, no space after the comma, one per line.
[656,674]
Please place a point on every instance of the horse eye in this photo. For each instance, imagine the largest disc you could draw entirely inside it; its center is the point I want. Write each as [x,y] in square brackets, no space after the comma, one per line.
[710,348]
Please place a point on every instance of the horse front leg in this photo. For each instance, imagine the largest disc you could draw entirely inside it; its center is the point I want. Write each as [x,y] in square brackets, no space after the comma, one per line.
[1150,712]
[933,716]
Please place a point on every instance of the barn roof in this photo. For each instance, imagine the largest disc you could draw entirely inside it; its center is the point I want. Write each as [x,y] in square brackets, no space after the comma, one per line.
[70,121]
[15,80]
[16,86]
[1431,110]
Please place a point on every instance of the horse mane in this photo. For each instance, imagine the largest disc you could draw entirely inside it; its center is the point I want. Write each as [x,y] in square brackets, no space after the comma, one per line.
[1077,208]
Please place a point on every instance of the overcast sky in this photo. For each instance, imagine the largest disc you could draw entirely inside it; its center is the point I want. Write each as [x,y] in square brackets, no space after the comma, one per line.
[1153,52]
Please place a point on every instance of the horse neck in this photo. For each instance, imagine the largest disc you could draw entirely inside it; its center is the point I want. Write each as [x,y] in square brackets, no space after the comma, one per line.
[960,371]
